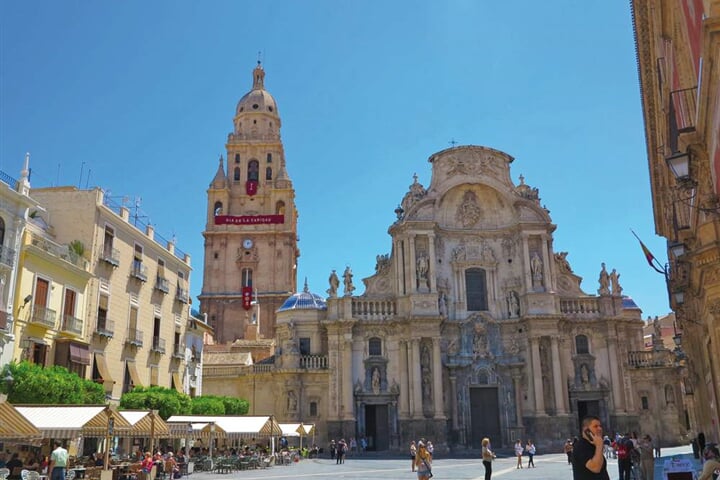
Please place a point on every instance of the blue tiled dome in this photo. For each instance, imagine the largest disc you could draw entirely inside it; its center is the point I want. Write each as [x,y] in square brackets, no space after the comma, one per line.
[628,302]
[305,300]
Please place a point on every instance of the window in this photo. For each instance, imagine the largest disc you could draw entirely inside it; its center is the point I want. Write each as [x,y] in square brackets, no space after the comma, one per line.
[237,158]
[669,395]
[236,175]
[102,323]
[375,346]
[313,409]
[581,345]
[138,269]
[247,277]
[644,402]
[69,322]
[42,287]
[218,210]
[2,228]
[253,171]
[161,268]
[157,343]
[280,208]
[476,289]
[269,155]
[108,241]
[134,333]
[268,173]
[304,346]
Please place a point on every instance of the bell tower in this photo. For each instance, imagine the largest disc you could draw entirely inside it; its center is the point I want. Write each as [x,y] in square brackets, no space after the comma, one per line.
[251,228]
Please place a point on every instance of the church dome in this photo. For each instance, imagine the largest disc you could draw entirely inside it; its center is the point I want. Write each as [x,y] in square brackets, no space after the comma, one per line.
[257,100]
[305,300]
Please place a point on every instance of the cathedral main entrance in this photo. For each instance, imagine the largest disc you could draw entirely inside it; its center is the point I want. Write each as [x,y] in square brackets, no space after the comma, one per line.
[484,415]
[376,427]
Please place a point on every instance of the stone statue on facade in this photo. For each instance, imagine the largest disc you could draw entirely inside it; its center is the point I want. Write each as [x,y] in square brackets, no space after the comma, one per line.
[422,267]
[347,280]
[513,304]
[292,401]
[334,282]
[442,305]
[604,281]
[615,283]
[536,268]
[375,382]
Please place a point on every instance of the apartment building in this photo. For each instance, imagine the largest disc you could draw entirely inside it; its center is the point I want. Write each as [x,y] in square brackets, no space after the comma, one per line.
[132,313]
[15,205]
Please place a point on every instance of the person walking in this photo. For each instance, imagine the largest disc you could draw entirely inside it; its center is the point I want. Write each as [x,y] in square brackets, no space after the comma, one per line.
[530,449]
[487,457]
[413,452]
[589,463]
[624,451]
[647,461]
[518,453]
[568,449]
[353,446]
[423,462]
[332,449]
[58,462]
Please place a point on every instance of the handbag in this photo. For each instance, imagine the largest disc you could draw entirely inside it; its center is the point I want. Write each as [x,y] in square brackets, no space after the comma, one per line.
[430,474]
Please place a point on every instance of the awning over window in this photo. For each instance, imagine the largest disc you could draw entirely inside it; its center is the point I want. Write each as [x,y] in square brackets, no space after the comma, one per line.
[102,367]
[134,375]
[79,354]
[177,384]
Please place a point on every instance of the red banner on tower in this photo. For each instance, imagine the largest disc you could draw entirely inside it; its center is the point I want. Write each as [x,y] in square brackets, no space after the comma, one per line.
[247,297]
[248,219]
[251,187]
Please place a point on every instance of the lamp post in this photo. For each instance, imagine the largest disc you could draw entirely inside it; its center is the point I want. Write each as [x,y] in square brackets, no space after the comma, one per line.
[212,438]
[9,382]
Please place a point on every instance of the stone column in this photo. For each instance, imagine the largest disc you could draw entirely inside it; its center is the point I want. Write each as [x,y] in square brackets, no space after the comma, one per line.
[432,262]
[416,376]
[517,377]
[558,383]
[404,379]
[437,380]
[412,275]
[346,386]
[617,385]
[453,400]
[546,264]
[537,376]
[528,270]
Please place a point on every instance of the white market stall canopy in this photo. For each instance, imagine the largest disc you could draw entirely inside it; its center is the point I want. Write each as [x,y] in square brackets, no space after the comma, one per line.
[290,429]
[13,426]
[231,426]
[69,421]
[146,424]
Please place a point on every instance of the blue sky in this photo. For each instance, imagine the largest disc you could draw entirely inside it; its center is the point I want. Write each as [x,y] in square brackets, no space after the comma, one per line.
[138,97]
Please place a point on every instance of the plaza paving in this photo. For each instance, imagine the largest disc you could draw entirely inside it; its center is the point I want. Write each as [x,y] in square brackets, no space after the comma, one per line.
[550,466]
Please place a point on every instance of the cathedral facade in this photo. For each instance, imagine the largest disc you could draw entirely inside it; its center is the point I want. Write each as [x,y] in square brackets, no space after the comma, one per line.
[472,325]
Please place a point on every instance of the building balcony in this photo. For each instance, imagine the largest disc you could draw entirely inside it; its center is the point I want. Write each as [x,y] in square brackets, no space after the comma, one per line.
[651,359]
[314,362]
[139,271]
[134,338]
[110,255]
[162,284]
[196,357]
[43,316]
[580,307]
[158,345]
[179,351]
[72,325]
[373,309]
[63,252]
[105,328]
[7,256]
[181,295]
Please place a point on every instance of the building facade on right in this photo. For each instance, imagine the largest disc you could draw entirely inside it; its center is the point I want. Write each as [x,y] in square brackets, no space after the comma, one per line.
[678,53]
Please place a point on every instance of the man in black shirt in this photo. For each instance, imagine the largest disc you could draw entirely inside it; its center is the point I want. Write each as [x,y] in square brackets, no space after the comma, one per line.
[588,460]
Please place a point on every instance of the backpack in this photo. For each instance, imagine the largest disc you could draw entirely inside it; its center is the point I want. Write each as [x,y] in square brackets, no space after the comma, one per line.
[622,451]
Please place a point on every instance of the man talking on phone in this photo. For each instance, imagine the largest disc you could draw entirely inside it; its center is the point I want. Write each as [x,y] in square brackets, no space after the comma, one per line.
[588,460]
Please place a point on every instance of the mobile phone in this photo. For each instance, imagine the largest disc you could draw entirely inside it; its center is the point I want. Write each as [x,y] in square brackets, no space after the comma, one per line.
[589,434]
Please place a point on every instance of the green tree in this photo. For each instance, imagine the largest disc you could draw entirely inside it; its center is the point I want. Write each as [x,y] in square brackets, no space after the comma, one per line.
[52,385]
[219,405]
[208,405]
[166,401]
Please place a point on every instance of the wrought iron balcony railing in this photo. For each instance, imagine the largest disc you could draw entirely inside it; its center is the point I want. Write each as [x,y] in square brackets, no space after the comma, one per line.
[71,324]
[158,345]
[134,337]
[139,271]
[162,284]
[105,328]
[110,255]
[43,316]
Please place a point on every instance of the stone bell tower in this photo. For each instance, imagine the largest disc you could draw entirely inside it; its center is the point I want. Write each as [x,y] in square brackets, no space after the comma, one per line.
[251,228]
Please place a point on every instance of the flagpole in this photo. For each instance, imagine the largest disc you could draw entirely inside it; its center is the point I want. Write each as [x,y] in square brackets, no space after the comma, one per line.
[658,267]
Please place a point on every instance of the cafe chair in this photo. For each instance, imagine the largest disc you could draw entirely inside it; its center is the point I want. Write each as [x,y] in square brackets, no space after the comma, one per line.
[4,473]
[70,474]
